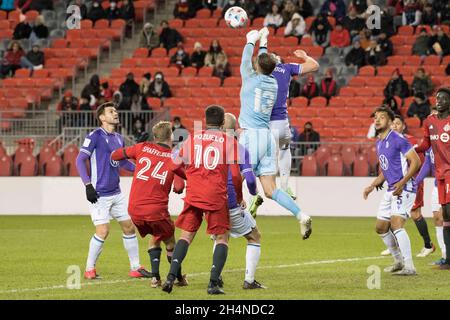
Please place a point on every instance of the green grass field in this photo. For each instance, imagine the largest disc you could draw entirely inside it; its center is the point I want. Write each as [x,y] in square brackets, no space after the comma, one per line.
[332,264]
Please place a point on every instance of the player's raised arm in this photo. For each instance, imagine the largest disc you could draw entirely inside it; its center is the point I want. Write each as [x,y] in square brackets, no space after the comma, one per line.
[263,41]
[310,64]
[246,62]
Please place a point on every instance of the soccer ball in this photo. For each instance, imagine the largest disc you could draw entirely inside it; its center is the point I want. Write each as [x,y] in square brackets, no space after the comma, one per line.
[236,17]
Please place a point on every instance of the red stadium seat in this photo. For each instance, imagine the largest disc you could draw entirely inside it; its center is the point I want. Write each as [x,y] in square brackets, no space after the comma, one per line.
[27,166]
[159,52]
[309,166]
[326,113]
[189,72]
[337,102]
[397,60]
[318,102]
[367,71]
[5,166]
[335,166]
[299,102]
[176,23]
[412,122]
[386,70]
[348,158]
[347,92]
[52,167]
[432,61]
[405,30]
[232,82]
[361,166]
[307,113]
[358,82]
[403,50]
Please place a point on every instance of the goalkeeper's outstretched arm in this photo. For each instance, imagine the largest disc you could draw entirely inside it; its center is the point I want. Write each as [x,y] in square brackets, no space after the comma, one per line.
[246,62]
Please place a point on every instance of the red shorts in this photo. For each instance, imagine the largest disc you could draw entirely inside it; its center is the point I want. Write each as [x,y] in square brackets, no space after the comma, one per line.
[160,230]
[190,219]
[443,186]
[418,203]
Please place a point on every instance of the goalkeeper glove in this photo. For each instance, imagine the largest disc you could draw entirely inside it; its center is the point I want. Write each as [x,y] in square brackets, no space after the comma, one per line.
[253,36]
[264,34]
[91,193]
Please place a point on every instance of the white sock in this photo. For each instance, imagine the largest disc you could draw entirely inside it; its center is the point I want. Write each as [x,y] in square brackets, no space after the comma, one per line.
[391,243]
[440,240]
[131,244]
[284,163]
[95,248]
[252,259]
[405,247]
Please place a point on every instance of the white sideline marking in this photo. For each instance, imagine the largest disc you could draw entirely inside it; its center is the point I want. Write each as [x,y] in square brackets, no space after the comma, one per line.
[98,282]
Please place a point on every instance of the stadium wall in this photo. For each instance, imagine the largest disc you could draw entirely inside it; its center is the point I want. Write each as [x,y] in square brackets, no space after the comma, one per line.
[318,196]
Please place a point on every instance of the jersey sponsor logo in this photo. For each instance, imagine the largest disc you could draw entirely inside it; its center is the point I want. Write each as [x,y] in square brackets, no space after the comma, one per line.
[113,163]
[86,142]
[445,137]
[384,163]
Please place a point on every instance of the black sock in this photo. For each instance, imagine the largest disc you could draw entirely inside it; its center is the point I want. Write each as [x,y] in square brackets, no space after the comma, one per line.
[169,258]
[421,225]
[155,255]
[179,254]
[446,216]
[219,258]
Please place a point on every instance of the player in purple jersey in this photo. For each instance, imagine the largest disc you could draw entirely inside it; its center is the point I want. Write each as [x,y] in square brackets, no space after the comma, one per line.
[103,190]
[399,163]
[279,123]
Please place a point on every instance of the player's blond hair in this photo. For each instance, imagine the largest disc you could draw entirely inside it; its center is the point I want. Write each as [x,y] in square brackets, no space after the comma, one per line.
[162,131]
[230,121]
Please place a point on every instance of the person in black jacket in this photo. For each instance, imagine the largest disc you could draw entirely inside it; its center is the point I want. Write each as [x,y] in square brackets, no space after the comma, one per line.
[353,23]
[420,107]
[159,88]
[127,13]
[396,86]
[40,30]
[385,44]
[22,30]
[129,88]
[34,59]
[83,9]
[198,56]
[40,5]
[308,135]
[356,56]
[92,92]
[305,8]
[113,12]
[169,37]
[96,12]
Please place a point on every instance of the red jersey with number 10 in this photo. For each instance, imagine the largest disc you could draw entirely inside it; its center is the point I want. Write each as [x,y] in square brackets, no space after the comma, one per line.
[437,133]
[207,155]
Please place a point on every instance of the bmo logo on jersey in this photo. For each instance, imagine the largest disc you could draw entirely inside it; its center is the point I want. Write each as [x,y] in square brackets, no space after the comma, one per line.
[445,137]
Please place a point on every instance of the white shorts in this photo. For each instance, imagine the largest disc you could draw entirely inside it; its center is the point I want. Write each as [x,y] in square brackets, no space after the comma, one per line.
[241,222]
[281,132]
[108,208]
[396,206]
[435,205]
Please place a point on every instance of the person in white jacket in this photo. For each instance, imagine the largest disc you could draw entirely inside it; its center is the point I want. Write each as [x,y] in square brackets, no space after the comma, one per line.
[273,19]
[296,27]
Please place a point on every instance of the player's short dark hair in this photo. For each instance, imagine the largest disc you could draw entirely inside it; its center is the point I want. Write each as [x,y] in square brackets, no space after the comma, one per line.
[266,63]
[101,109]
[215,115]
[443,89]
[399,117]
[388,111]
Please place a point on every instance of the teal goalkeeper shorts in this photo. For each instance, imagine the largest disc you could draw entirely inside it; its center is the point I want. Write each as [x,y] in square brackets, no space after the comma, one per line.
[261,146]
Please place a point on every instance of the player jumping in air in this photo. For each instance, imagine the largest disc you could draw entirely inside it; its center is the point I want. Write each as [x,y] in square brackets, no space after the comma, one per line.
[149,195]
[258,96]
[399,163]
[206,156]
[103,190]
[437,135]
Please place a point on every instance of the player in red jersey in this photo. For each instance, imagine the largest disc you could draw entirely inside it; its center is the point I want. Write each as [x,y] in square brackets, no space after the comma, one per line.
[437,135]
[149,195]
[399,126]
[206,156]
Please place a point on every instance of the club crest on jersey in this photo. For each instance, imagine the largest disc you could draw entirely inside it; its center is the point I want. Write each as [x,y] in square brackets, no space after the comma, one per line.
[447,127]
[387,144]
[384,163]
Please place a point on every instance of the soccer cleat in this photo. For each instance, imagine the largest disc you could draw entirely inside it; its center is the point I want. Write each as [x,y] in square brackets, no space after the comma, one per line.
[220,282]
[385,252]
[444,266]
[256,202]
[140,273]
[214,289]
[425,252]
[91,275]
[291,194]
[305,226]
[405,272]
[155,282]
[394,268]
[254,285]
[167,286]
[182,282]
[439,262]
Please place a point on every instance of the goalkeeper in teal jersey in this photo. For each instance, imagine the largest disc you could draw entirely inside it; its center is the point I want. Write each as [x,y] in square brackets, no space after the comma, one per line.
[258,96]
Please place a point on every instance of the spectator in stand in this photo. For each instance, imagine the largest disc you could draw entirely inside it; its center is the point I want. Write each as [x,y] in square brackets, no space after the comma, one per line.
[356,56]
[23,29]
[304,8]
[439,43]
[159,88]
[385,44]
[420,46]
[117,98]
[222,69]
[391,103]
[181,58]
[328,87]
[106,92]
[256,8]
[139,132]
[294,89]
[420,107]
[411,13]
[360,6]
[83,9]
[7,5]
[92,92]
[183,10]
[12,59]
[128,88]
[144,90]
[397,6]
[68,103]
[215,50]
[339,37]
[387,23]
[198,56]
[374,55]
[40,5]
[296,27]
[364,38]
[422,83]
[310,88]
[429,16]
[169,38]
[97,12]
[34,59]
[148,38]
[39,30]
[353,23]
[334,8]
[208,4]
[177,124]
[127,13]
[289,10]
[274,18]
[396,86]
[308,135]
[113,12]
[320,32]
